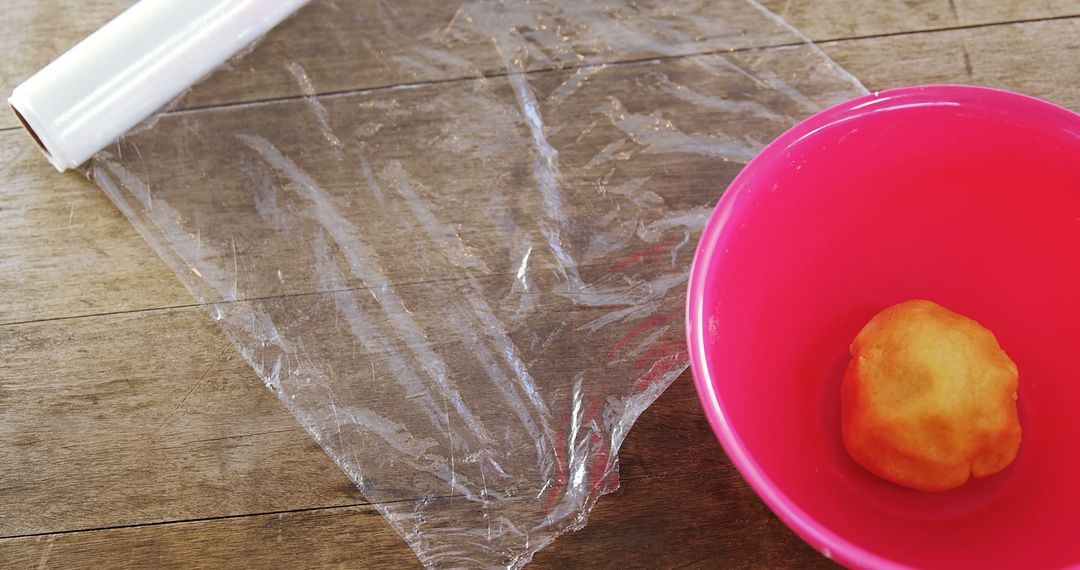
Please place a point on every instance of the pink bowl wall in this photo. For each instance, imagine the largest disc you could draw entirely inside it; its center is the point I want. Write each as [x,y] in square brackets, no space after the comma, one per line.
[966,196]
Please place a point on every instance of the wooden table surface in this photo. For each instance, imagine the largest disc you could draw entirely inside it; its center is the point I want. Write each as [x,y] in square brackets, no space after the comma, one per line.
[132,434]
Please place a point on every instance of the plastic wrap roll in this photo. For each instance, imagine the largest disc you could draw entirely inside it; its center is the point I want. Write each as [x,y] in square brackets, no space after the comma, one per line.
[133,66]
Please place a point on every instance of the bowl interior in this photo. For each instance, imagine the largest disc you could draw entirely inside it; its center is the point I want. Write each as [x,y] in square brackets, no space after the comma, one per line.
[969,197]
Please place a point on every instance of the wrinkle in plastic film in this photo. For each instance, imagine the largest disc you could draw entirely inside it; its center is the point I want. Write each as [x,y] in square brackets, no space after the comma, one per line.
[466,287]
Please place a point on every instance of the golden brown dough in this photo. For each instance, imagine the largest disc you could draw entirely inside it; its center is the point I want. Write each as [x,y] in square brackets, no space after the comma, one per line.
[929,398]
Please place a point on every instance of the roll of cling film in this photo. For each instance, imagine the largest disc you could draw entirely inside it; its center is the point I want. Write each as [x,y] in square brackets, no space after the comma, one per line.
[134,65]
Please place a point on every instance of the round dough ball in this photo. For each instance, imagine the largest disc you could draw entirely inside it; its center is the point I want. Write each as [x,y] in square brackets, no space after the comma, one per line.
[929,398]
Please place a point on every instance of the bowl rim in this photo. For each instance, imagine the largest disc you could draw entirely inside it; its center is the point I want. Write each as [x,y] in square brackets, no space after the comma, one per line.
[823,539]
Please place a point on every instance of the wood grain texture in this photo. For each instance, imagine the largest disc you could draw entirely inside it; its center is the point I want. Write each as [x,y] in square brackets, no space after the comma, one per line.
[149,421]
[38,31]
[695,512]
[655,523]
[152,416]
[70,252]
[851,19]
[66,250]
[323,538]
[1029,58]
[145,417]
[375,44]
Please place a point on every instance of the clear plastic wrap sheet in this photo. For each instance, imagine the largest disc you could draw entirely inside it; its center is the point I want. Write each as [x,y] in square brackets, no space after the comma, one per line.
[454,237]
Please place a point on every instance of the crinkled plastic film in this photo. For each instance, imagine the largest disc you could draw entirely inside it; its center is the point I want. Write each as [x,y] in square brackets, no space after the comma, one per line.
[454,238]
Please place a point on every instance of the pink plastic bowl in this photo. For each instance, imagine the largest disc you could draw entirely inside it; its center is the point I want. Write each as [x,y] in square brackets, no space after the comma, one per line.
[966,196]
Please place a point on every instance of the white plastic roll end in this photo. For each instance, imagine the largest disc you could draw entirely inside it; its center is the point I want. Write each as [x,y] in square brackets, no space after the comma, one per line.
[58,154]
